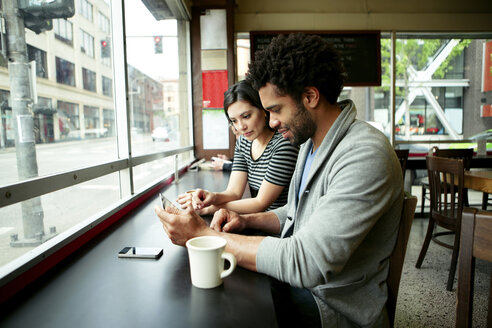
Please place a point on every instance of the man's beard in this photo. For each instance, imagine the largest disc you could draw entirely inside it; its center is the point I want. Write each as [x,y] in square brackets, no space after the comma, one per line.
[302,126]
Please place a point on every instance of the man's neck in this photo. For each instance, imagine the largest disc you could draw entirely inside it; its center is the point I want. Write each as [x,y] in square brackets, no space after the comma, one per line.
[325,119]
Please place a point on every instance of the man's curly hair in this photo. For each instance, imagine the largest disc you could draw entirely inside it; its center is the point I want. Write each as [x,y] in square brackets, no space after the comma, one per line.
[296,61]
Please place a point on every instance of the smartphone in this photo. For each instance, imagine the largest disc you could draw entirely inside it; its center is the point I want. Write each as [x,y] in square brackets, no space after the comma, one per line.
[141,252]
[167,203]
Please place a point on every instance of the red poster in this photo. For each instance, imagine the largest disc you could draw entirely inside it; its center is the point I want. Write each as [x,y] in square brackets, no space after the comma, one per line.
[486,111]
[487,67]
[214,84]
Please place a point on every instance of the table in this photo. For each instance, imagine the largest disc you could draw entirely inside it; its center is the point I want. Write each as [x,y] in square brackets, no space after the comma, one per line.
[480,180]
[479,161]
[95,288]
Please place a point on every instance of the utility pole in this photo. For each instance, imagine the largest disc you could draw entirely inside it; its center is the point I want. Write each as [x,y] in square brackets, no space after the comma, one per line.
[21,101]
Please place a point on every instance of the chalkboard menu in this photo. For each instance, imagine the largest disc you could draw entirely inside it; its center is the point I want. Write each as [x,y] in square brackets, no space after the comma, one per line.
[360,51]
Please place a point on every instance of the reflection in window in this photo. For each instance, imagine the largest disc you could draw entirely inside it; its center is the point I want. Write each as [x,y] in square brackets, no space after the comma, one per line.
[89,79]
[65,72]
[86,43]
[39,56]
[63,30]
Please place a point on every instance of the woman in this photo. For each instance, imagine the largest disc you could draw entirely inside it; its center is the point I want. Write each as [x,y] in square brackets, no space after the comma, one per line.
[262,158]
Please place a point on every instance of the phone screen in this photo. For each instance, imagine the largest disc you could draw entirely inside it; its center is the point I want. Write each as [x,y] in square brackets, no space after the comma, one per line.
[141,252]
[167,203]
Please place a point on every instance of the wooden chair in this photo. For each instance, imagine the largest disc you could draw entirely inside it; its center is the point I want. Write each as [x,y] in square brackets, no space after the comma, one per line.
[402,155]
[446,197]
[476,242]
[398,255]
[464,154]
[485,201]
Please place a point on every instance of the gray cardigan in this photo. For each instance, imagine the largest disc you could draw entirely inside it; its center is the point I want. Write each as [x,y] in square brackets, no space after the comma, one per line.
[345,224]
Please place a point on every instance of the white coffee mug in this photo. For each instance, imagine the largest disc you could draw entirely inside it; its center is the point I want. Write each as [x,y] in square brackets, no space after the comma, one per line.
[207,256]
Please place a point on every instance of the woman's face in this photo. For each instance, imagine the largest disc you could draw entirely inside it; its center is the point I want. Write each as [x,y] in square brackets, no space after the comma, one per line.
[248,120]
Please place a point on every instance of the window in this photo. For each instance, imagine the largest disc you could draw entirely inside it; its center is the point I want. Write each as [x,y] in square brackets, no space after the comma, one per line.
[108,123]
[107,86]
[86,9]
[65,72]
[68,120]
[91,118]
[89,79]
[86,43]
[63,30]
[39,56]
[80,126]
[422,111]
[104,23]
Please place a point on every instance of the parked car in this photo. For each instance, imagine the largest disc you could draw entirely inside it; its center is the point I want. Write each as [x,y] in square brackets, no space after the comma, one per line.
[160,134]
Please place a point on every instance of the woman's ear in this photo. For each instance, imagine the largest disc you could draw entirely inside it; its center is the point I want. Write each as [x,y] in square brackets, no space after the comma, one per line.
[310,97]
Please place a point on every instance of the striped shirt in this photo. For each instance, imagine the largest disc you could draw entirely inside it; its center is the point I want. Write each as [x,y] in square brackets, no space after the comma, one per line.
[275,165]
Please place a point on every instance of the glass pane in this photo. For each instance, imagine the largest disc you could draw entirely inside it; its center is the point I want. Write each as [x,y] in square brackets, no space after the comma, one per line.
[68,122]
[146,174]
[65,121]
[158,80]
[439,93]
[23,226]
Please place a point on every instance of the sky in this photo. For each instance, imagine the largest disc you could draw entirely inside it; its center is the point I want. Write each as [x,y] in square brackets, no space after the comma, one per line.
[141,27]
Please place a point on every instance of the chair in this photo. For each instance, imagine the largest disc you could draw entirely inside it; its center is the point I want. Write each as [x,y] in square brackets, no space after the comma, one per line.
[445,182]
[402,155]
[476,242]
[485,201]
[398,255]
[465,154]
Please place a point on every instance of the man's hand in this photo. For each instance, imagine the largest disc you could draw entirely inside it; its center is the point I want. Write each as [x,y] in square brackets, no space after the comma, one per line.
[182,225]
[227,221]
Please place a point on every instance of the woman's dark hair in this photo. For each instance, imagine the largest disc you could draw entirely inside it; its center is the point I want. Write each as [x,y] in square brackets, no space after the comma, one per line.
[296,61]
[243,90]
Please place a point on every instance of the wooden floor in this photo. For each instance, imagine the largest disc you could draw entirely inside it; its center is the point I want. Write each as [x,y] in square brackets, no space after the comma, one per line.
[423,300]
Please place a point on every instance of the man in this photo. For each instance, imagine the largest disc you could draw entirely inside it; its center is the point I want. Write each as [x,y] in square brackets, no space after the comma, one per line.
[340,224]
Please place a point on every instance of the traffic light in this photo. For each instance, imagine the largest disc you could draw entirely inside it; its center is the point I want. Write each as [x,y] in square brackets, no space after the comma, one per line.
[105,49]
[44,10]
[37,25]
[158,44]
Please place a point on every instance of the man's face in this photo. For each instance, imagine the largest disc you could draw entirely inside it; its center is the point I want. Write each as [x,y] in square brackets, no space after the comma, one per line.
[288,117]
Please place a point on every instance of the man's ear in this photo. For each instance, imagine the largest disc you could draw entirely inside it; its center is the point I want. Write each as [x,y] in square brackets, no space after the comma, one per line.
[310,97]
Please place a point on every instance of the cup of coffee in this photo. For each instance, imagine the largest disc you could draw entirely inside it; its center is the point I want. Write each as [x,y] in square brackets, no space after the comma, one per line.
[207,257]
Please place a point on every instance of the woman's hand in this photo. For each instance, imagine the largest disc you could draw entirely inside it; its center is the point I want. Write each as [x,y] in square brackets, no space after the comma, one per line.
[209,210]
[217,165]
[199,198]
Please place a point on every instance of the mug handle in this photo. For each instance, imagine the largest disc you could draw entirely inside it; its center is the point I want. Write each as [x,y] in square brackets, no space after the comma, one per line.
[232,260]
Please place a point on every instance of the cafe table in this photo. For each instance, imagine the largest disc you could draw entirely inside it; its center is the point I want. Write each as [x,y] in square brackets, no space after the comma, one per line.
[419,162]
[480,180]
[95,288]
